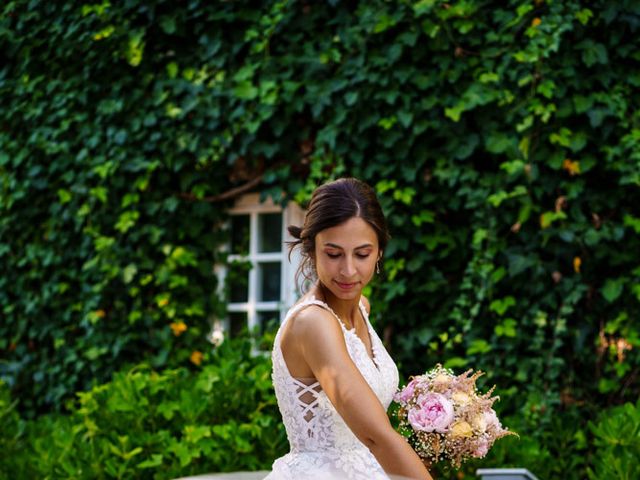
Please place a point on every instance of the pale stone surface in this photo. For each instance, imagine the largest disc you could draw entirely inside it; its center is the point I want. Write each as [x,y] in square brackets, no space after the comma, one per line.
[505,474]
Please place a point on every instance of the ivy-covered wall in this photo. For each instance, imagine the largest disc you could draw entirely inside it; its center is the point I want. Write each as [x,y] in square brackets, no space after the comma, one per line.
[502,138]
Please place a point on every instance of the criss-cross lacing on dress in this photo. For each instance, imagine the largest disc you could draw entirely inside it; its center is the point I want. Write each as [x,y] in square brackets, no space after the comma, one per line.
[322,445]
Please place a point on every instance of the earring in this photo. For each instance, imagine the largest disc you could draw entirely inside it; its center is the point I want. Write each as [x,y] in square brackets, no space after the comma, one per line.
[378,267]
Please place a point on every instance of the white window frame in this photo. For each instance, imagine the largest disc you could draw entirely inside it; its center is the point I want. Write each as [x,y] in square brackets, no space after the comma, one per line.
[292,214]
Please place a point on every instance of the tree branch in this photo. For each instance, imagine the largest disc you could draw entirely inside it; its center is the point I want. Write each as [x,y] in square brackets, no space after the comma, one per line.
[229,194]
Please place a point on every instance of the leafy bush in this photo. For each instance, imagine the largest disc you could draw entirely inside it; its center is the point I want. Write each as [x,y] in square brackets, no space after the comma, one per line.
[148,424]
[550,446]
[11,434]
[617,442]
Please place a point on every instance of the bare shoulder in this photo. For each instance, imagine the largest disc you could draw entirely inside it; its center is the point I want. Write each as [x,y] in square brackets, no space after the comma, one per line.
[314,323]
[312,337]
[313,320]
[365,302]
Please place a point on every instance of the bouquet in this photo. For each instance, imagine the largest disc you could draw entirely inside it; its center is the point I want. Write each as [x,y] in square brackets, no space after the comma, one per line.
[444,417]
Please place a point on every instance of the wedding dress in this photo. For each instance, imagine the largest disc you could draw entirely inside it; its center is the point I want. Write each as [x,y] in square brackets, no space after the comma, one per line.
[322,445]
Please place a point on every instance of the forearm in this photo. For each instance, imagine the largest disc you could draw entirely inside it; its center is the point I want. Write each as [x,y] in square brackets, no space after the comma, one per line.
[397,457]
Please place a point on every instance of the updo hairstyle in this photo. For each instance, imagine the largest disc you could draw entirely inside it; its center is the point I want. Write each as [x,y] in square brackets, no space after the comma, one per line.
[332,204]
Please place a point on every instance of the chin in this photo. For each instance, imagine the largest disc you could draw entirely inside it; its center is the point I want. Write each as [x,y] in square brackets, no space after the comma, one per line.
[346,294]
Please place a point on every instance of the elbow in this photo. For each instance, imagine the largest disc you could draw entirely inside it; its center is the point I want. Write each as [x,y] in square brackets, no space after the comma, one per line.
[376,442]
[370,443]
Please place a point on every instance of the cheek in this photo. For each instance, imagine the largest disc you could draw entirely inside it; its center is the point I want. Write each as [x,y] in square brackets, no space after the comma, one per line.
[323,265]
[369,267]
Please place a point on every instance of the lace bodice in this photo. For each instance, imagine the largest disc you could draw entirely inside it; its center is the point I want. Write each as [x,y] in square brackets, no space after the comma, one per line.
[321,442]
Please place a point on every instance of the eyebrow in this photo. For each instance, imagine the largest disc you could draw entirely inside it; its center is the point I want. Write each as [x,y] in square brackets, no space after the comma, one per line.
[333,245]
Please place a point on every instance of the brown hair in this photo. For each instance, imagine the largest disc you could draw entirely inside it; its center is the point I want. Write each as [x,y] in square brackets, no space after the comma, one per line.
[332,204]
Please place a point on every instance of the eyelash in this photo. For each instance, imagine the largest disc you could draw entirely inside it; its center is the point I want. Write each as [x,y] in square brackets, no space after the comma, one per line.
[336,255]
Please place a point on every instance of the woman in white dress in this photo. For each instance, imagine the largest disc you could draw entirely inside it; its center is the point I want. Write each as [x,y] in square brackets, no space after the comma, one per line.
[333,378]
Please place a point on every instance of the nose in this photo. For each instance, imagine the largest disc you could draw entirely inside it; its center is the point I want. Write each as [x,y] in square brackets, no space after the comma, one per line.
[348,269]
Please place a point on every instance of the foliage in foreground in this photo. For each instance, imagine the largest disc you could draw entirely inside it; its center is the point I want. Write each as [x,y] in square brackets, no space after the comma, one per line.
[160,425]
[617,443]
[147,424]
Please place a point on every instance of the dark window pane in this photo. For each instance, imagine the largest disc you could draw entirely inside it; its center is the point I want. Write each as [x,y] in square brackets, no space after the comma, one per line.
[268,326]
[267,320]
[240,234]
[237,323]
[269,281]
[270,232]
[238,281]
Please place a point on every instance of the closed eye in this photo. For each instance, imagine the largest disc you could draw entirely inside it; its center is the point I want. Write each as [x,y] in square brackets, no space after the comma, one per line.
[336,255]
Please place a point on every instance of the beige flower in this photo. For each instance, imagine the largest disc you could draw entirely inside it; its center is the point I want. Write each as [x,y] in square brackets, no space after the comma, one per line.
[461,430]
[479,423]
[442,379]
[461,398]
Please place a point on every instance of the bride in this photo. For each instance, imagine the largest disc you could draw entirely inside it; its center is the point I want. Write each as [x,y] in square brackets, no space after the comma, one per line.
[332,376]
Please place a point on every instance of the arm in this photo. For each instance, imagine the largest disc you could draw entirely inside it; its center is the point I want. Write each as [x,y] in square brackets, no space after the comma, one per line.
[322,346]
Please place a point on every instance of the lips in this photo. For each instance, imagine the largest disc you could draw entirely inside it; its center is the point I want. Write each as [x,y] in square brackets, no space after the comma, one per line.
[346,286]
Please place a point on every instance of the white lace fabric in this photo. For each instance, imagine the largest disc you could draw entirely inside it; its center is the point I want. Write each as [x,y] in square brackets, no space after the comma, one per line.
[322,445]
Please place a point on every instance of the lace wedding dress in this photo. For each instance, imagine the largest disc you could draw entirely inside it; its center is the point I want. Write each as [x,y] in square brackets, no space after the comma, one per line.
[322,445]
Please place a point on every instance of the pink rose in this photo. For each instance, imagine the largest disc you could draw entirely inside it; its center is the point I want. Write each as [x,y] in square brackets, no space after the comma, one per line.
[404,395]
[481,448]
[433,413]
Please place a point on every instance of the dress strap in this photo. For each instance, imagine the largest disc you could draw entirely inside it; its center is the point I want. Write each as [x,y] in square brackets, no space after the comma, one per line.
[363,310]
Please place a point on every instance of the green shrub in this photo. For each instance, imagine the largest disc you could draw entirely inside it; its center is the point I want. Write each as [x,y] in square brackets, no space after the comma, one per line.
[550,446]
[11,435]
[147,424]
[617,443]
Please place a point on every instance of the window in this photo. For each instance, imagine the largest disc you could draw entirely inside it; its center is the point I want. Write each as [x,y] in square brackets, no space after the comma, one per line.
[258,275]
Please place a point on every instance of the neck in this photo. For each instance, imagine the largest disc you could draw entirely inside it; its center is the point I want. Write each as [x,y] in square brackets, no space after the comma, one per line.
[347,310]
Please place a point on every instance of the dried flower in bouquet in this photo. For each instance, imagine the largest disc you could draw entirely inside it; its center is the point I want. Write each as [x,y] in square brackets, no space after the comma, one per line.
[444,417]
